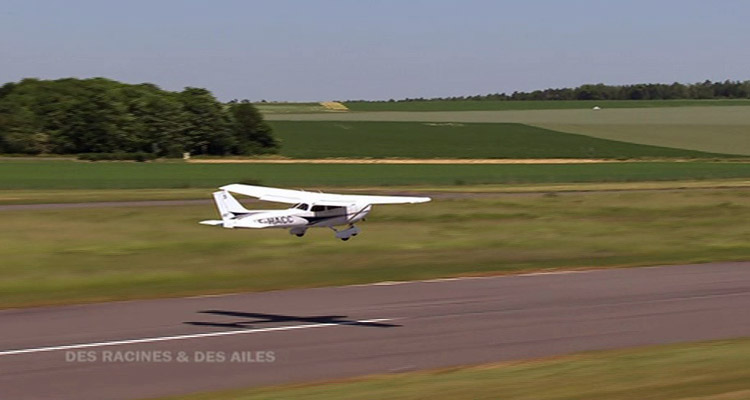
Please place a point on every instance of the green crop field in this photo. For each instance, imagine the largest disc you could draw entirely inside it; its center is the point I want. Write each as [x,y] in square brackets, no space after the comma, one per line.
[713,129]
[706,371]
[98,254]
[321,139]
[21,174]
[485,105]
[284,108]
[728,138]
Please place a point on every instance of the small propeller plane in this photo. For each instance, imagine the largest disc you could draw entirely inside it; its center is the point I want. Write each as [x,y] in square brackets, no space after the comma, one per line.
[310,209]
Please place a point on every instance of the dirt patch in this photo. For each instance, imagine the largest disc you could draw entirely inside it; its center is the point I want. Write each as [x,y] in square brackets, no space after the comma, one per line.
[400,161]
[334,106]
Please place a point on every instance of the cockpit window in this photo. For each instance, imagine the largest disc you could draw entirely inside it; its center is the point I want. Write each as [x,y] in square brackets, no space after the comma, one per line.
[319,208]
[302,206]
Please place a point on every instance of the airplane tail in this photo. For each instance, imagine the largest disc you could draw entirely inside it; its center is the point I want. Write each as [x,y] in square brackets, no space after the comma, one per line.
[228,206]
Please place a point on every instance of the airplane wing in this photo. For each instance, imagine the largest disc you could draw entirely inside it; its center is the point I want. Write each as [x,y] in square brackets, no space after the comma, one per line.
[271,194]
[301,196]
[387,199]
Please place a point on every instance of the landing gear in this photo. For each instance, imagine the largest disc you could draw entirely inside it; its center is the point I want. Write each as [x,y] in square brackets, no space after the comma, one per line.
[346,234]
[298,232]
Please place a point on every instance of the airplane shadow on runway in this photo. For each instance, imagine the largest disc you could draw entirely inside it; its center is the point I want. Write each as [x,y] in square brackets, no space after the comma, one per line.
[261,318]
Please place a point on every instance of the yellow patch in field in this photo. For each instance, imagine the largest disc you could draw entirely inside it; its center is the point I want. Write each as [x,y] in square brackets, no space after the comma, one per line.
[334,106]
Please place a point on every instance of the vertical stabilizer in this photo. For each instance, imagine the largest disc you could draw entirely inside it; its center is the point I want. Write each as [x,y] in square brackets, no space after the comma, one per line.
[228,206]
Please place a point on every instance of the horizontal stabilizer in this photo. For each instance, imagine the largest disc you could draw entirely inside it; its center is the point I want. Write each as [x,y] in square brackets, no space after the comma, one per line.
[213,222]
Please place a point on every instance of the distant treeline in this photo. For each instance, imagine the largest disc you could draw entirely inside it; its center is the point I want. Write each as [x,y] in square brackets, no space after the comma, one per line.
[73,116]
[644,91]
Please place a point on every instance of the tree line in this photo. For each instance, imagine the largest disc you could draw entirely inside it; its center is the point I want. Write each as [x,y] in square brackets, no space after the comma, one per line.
[643,91]
[98,115]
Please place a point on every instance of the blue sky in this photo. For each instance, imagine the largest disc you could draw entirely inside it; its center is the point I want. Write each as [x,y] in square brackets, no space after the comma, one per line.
[375,49]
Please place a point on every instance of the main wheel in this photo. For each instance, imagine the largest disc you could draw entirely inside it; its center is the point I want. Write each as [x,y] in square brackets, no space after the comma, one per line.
[345,239]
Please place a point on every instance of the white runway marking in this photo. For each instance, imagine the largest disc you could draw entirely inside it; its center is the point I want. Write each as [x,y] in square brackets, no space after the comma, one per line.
[186,336]
[458,278]
[555,272]
[466,278]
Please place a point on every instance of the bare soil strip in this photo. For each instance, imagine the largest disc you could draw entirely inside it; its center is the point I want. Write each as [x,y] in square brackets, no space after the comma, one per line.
[401,161]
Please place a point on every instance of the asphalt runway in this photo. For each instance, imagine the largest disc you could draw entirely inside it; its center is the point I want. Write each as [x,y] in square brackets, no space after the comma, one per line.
[127,350]
[257,203]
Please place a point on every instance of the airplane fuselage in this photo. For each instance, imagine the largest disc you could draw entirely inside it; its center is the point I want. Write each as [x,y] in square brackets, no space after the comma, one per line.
[300,217]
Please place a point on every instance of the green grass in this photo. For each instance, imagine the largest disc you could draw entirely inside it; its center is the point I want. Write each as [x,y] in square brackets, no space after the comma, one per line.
[23,174]
[357,139]
[470,105]
[698,371]
[80,255]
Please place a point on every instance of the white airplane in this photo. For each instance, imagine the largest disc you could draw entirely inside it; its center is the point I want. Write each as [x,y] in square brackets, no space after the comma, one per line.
[311,209]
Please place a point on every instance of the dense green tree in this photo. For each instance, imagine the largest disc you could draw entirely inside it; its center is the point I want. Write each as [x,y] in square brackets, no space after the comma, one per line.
[104,116]
[651,91]
[208,126]
[18,133]
[251,132]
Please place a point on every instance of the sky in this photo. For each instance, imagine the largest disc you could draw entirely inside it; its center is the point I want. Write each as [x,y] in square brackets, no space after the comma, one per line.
[317,50]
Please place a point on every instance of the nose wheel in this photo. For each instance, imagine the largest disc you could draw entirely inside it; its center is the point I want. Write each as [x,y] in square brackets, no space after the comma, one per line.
[297,232]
